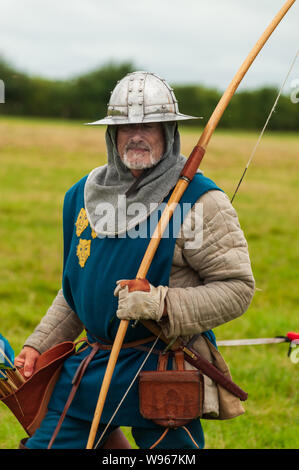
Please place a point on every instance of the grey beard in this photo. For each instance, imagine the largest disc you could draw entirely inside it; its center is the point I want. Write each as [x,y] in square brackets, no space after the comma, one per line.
[139,164]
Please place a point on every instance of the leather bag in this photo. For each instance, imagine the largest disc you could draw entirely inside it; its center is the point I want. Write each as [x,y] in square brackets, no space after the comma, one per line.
[171,398]
[29,403]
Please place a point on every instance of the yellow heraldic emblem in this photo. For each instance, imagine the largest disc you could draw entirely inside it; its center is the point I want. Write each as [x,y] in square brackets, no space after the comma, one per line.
[83,251]
[82,222]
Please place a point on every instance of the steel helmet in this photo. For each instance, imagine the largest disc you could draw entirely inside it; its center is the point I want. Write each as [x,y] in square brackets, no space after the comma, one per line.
[142,97]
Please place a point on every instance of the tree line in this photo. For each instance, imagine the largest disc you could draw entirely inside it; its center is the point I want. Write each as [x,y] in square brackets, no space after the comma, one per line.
[85,97]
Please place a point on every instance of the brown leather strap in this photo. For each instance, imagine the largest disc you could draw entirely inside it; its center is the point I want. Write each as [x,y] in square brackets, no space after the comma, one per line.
[75,382]
[179,359]
[162,361]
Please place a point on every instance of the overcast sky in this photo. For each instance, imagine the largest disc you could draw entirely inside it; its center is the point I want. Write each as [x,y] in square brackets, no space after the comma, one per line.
[191,41]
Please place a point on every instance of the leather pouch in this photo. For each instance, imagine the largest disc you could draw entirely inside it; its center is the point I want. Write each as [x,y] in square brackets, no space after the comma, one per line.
[29,403]
[171,398]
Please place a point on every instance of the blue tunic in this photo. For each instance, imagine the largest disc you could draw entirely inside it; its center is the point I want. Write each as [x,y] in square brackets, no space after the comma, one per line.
[92,265]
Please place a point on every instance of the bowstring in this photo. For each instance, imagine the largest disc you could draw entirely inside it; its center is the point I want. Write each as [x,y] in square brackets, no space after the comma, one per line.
[127,391]
[265,125]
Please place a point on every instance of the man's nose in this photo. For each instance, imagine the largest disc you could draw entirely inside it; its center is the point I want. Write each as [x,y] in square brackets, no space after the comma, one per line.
[136,137]
[137,134]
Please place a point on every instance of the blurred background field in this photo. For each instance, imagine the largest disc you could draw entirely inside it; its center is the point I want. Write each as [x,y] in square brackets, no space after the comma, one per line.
[42,158]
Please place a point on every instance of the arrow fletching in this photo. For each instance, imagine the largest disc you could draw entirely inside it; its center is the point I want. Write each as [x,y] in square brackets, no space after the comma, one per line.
[292,336]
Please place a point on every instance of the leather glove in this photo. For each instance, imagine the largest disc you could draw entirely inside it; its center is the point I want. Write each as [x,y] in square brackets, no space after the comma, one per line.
[138,299]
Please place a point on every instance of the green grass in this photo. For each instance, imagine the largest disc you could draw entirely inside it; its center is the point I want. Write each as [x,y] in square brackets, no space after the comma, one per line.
[41,159]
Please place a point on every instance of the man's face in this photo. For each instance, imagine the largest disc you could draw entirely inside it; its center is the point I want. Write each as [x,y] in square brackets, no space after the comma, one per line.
[140,146]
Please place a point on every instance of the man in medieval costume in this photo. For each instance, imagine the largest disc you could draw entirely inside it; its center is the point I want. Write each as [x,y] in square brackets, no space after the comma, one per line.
[200,276]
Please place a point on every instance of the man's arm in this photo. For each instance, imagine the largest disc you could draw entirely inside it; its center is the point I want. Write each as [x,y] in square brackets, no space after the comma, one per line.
[223,266]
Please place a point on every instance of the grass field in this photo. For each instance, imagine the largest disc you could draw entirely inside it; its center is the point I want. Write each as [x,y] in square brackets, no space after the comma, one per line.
[40,160]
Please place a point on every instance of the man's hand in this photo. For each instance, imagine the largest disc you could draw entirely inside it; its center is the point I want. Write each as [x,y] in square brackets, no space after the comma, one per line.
[27,359]
[138,299]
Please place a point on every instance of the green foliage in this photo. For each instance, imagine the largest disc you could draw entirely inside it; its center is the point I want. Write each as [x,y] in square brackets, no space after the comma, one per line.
[85,97]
